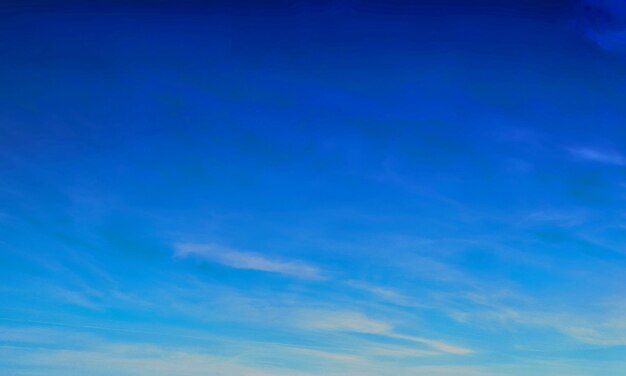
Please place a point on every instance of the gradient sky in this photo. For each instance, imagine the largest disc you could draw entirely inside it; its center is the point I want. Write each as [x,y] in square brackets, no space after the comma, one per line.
[309,188]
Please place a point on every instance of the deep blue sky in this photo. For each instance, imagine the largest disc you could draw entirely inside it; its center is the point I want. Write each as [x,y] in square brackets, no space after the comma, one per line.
[313,188]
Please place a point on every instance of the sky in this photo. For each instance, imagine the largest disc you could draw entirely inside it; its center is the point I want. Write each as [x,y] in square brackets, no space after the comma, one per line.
[310,188]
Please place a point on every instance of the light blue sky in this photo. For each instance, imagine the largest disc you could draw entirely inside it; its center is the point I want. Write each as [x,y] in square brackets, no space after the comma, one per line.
[354,188]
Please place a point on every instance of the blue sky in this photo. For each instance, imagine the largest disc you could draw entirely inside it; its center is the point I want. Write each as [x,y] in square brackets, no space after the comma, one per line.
[306,188]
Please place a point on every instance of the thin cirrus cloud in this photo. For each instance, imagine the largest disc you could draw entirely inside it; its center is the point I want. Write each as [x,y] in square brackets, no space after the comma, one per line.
[249,260]
[356,322]
[598,155]
[437,345]
[343,322]
[383,293]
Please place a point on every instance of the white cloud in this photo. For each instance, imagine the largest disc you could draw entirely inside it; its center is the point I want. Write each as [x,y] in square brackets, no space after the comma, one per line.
[141,360]
[383,293]
[556,217]
[599,324]
[249,260]
[343,322]
[598,155]
[326,355]
[399,352]
[606,329]
[359,323]
[437,345]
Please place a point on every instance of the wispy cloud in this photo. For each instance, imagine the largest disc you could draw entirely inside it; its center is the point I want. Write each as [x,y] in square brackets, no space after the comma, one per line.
[144,359]
[598,155]
[85,352]
[359,323]
[139,359]
[555,217]
[399,352]
[383,293]
[602,325]
[437,345]
[249,260]
[343,322]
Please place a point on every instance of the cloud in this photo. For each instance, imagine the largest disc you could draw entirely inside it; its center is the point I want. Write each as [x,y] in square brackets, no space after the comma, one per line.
[343,322]
[606,328]
[380,292]
[325,355]
[599,324]
[437,345]
[597,155]
[359,323]
[144,359]
[134,359]
[79,352]
[399,352]
[555,217]
[249,260]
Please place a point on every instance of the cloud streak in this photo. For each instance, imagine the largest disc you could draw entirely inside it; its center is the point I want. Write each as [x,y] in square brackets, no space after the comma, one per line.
[383,293]
[359,323]
[598,155]
[248,260]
